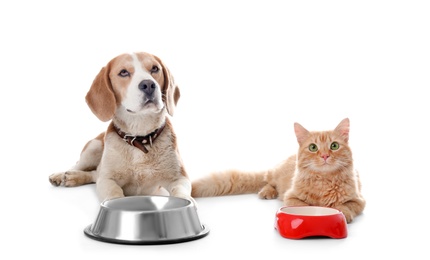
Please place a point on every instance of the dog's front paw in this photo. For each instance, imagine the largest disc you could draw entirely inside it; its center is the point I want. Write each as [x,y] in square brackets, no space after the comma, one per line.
[70,178]
[57,179]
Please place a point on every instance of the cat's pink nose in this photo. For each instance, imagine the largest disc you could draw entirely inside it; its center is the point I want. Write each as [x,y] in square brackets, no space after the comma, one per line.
[325,156]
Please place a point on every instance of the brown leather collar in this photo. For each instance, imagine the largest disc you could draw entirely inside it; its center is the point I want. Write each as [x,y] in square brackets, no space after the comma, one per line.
[139,141]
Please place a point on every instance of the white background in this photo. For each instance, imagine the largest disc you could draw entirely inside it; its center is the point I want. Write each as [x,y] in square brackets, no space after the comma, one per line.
[247,71]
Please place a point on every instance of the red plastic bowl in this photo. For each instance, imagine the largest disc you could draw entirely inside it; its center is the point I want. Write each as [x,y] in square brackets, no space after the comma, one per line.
[310,221]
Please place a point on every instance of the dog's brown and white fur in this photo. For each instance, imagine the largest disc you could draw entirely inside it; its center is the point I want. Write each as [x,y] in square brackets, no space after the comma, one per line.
[138,94]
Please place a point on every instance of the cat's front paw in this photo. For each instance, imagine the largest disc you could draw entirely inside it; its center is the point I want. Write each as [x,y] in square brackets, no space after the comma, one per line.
[268,192]
[347,213]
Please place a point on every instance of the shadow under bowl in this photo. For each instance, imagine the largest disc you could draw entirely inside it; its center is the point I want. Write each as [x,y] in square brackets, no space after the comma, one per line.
[147,220]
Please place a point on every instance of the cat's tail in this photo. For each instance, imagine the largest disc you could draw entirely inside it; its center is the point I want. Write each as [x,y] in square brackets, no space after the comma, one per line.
[231,182]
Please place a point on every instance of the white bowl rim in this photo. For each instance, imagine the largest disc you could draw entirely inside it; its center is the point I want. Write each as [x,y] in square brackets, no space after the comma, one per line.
[309,211]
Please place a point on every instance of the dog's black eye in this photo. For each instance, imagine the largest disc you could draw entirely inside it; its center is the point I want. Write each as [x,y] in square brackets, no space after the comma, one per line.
[124,73]
[155,69]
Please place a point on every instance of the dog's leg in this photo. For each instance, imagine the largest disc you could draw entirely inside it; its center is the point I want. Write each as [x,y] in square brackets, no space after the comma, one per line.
[84,171]
[108,189]
[181,188]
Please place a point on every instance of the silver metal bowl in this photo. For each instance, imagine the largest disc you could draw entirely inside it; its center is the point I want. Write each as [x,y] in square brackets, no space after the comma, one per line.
[147,220]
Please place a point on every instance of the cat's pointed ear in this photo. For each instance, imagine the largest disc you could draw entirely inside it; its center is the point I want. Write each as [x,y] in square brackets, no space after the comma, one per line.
[343,129]
[301,133]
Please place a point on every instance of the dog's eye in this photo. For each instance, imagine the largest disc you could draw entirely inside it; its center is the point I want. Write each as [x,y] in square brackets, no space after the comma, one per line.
[155,69]
[124,73]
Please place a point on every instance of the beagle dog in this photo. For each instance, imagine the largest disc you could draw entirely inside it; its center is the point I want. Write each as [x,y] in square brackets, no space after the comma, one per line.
[138,153]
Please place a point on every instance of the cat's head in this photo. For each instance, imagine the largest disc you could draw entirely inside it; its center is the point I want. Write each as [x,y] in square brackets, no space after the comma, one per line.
[324,150]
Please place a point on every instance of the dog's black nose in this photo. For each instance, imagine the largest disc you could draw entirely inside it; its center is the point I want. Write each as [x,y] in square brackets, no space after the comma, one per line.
[147,86]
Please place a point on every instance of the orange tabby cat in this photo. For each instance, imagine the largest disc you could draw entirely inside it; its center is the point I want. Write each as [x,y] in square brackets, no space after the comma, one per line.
[321,174]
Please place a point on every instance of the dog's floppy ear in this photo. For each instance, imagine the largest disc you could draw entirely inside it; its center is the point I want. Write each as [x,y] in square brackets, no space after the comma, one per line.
[100,98]
[170,90]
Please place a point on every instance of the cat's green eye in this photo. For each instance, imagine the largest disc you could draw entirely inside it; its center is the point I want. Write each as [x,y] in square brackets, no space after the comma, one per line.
[334,146]
[313,147]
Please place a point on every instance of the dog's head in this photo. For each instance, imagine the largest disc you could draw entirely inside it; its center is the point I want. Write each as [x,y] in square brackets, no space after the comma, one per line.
[139,83]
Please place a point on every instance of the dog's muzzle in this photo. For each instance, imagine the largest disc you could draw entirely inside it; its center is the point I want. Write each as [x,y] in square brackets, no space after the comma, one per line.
[148,87]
